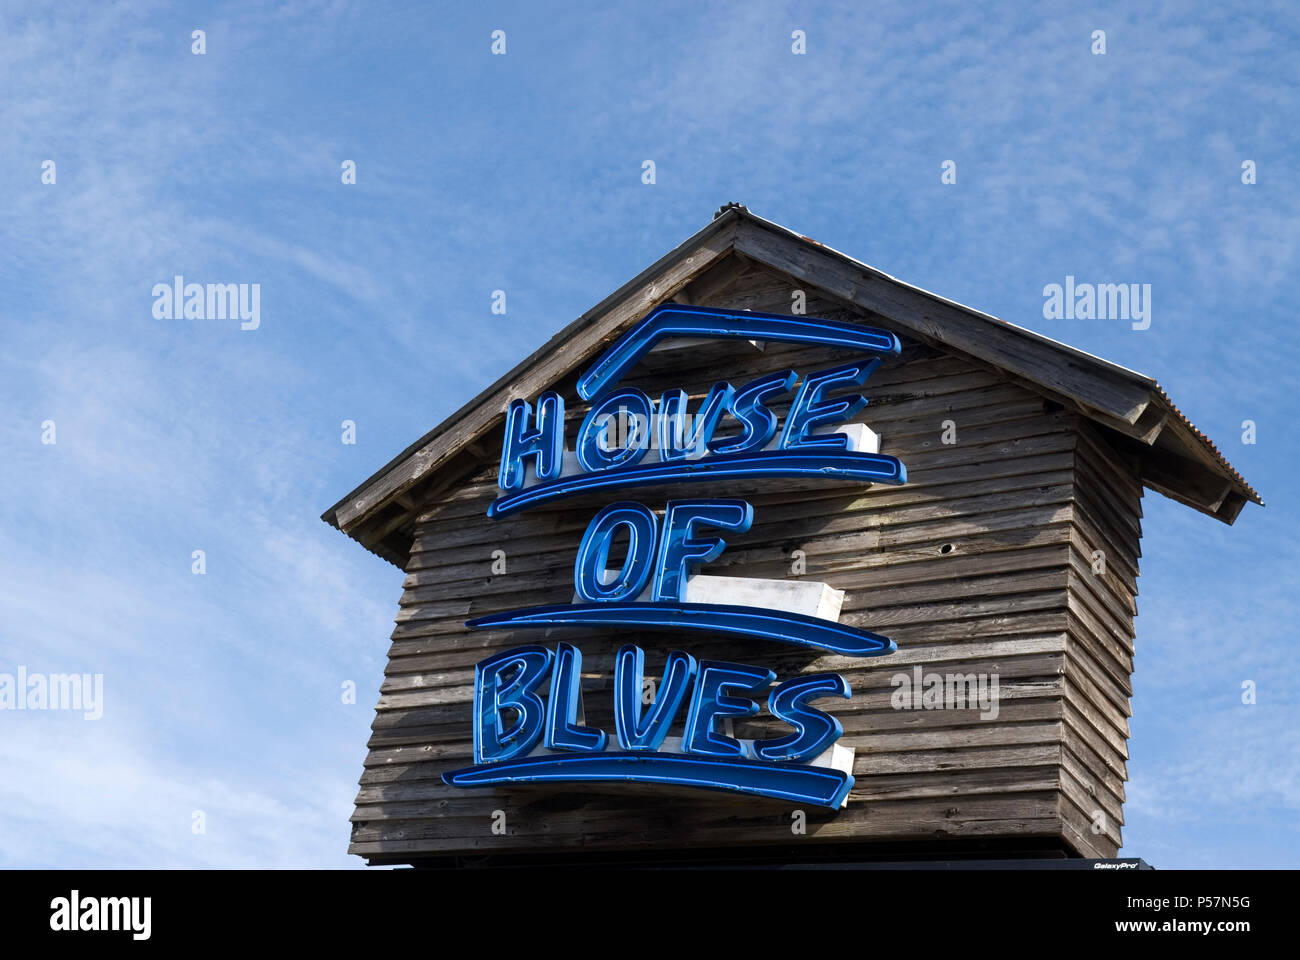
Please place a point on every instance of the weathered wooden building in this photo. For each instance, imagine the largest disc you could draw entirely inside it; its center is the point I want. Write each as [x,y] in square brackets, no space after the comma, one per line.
[1012,550]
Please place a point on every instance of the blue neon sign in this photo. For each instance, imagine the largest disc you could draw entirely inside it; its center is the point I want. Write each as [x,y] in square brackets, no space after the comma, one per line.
[519,737]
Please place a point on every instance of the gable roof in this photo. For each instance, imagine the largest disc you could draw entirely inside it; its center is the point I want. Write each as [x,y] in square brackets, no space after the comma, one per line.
[1176,459]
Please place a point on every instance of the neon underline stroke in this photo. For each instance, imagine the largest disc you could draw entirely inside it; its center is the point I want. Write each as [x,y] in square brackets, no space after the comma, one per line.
[672,320]
[798,783]
[777,625]
[825,464]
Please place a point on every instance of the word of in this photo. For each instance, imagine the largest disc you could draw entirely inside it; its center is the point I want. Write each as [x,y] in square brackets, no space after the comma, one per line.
[662,563]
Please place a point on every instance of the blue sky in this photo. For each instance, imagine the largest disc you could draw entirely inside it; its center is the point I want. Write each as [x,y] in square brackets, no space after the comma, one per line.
[523,172]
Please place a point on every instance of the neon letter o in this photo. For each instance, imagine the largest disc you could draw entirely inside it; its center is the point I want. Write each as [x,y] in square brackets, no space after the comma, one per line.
[593,553]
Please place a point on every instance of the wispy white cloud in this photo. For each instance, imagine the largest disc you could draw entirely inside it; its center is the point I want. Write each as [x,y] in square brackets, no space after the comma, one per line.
[92,789]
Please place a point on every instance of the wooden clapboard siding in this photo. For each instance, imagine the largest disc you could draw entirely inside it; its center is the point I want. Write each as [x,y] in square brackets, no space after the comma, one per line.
[1100,625]
[981,563]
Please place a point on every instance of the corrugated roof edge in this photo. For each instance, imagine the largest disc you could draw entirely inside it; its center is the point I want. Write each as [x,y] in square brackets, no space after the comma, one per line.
[1209,444]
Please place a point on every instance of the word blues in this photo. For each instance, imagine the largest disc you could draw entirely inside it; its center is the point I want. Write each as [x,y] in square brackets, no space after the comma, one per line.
[510,681]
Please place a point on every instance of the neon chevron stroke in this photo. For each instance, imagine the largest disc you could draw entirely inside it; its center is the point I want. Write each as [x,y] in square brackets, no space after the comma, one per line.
[836,465]
[778,625]
[674,320]
[799,783]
